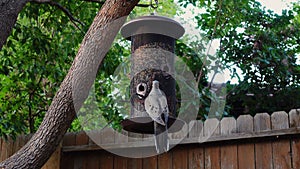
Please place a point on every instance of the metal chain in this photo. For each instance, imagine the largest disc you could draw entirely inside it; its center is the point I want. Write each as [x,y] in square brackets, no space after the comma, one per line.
[151,4]
[154,6]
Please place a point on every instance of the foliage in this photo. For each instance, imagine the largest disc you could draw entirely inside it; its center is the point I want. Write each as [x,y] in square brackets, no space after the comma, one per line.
[166,7]
[263,45]
[260,44]
[35,60]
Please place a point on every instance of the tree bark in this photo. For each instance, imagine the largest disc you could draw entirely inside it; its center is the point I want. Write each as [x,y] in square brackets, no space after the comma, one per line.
[75,87]
[9,11]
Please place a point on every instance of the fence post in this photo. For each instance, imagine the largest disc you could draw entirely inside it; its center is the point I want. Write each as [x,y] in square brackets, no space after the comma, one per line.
[245,150]
[228,152]
[212,153]
[263,150]
[54,160]
[295,143]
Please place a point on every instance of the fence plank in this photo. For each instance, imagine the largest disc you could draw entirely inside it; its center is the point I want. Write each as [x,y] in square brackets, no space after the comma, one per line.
[107,136]
[296,153]
[82,138]
[22,141]
[212,153]
[134,163]
[180,158]
[181,134]
[196,158]
[67,159]
[69,139]
[228,152]
[91,160]
[294,118]
[120,162]
[211,127]
[228,126]
[245,124]
[246,150]
[78,161]
[148,138]
[10,151]
[134,137]
[121,137]
[165,161]
[6,149]
[94,137]
[263,150]
[15,148]
[195,129]
[1,140]
[106,160]
[295,143]
[54,161]
[281,149]
[2,151]
[150,163]
[262,122]
[279,120]
[212,157]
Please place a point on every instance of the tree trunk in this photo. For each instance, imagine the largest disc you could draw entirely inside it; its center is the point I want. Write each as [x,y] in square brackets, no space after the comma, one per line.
[9,11]
[75,87]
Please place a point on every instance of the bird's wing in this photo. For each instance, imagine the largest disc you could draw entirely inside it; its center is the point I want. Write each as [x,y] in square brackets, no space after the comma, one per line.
[153,108]
[164,104]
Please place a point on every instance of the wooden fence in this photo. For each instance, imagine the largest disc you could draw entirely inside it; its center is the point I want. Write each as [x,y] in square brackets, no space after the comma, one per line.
[260,142]
[9,147]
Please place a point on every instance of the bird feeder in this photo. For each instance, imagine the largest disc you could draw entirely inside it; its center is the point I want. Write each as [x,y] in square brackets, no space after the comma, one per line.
[152,47]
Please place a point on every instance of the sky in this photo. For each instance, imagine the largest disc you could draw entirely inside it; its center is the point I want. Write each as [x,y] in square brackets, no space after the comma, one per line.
[276,5]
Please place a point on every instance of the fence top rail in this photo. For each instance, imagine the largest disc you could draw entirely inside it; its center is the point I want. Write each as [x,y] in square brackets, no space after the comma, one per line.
[262,125]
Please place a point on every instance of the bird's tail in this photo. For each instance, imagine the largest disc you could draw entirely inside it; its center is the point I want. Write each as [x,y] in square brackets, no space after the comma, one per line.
[161,138]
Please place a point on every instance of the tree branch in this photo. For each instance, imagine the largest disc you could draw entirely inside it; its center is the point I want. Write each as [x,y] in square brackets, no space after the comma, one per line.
[9,10]
[96,1]
[211,40]
[102,2]
[74,20]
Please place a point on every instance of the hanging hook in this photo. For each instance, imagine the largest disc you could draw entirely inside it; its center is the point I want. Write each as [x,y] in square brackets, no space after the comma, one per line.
[154,6]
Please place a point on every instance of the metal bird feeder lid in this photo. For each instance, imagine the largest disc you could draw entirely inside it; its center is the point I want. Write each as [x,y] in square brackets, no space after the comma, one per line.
[152,24]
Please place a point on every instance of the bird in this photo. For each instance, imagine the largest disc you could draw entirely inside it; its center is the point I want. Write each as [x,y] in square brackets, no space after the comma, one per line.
[156,106]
